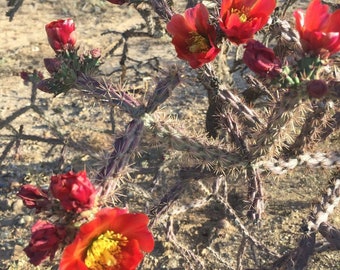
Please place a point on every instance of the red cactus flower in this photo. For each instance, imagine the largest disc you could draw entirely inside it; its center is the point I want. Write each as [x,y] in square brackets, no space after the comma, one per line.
[74,191]
[114,239]
[319,30]
[261,60]
[118,2]
[193,37]
[44,242]
[241,19]
[61,35]
[33,197]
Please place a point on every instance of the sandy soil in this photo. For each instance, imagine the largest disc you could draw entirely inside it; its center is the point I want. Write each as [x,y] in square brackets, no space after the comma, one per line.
[197,233]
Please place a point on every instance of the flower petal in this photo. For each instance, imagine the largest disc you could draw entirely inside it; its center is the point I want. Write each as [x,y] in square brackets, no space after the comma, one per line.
[316,15]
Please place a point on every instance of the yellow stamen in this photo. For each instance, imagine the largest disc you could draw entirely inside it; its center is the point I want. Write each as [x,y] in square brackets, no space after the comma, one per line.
[198,43]
[105,251]
[241,13]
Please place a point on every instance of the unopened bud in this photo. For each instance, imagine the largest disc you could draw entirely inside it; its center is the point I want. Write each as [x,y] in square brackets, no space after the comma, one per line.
[95,53]
[47,85]
[118,2]
[261,60]
[52,65]
[317,88]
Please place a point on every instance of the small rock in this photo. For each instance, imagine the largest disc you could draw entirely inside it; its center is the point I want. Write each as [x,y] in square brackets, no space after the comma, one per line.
[17,206]
[5,204]
[15,185]
[25,220]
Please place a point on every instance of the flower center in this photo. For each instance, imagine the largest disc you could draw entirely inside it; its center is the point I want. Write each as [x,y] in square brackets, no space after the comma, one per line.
[105,251]
[241,13]
[198,43]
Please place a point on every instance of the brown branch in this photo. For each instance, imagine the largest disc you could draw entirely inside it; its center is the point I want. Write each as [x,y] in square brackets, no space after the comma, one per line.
[331,233]
[298,258]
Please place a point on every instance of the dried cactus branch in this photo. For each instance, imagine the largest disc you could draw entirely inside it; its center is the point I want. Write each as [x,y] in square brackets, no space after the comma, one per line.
[331,234]
[238,223]
[332,125]
[298,258]
[329,201]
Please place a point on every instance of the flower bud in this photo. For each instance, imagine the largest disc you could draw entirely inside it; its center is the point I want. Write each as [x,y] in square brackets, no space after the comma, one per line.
[261,60]
[47,85]
[74,191]
[317,88]
[95,53]
[32,77]
[61,35]
[52,64]
[25,76]
[118,2]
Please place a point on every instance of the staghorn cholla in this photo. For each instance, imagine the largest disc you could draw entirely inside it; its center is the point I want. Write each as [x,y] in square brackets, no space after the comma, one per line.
[256,127]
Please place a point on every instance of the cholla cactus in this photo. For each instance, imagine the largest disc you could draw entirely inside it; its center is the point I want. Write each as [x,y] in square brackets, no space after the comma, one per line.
[289,105]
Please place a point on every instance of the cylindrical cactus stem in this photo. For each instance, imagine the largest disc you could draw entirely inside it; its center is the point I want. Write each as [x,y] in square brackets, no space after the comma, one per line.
[255,195]
[332,125]
[331,234]
[272,138]
[163,89]
[219,98]
[309,133]
[298,258]
[247,115]
[213,156]
[124,147]
[255,187]
[330,200]
[109,94]
[162,8]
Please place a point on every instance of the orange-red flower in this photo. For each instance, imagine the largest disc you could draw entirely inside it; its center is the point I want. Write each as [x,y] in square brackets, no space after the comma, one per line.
[74,191]
[61,35]
[114,239]
[319,30]
[44,242]
[241,19]
[193,37]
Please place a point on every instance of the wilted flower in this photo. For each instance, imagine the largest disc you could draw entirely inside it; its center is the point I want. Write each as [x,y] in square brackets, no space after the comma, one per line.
[118,2]
[74,191]
[44,242]
[193,37]
[319,30]
[33,197]
[317,88]
[261,60]
[114,239]
[241,19]
[61,35]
